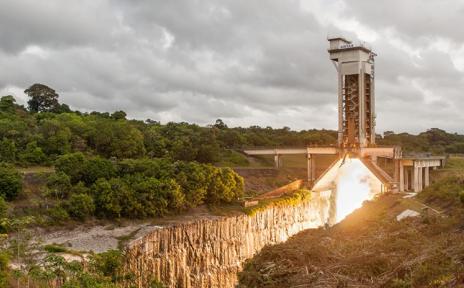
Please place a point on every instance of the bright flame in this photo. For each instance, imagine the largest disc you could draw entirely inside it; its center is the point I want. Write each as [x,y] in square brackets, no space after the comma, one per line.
[350,183]
[353,187]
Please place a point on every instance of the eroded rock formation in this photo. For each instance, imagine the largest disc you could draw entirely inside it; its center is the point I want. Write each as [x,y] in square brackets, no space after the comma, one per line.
[210,252]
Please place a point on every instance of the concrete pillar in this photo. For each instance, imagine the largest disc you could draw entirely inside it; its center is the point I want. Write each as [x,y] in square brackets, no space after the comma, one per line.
[406,178]
[415,179]
[313,169]
[421,178]
[340,106]
[362,107]
[276,161]
[308,167]
[427,177]
[401,176]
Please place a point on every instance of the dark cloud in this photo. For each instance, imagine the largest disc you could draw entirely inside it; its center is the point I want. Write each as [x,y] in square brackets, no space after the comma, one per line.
[248,62]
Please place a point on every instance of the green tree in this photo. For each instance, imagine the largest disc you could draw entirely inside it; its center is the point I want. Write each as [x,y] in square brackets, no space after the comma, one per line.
[43,98]
[96,168]
[59,185]
[117,139]
[225,186]
[56,137]
[72,164]
[113,198]
[108,263]
[220,124]
[4,269]
[3,208]
[127,141]
[33,154]
[7,104]
[80,206]
[193,179]
[156,197]
[119,115]
[10,182]
[7,150]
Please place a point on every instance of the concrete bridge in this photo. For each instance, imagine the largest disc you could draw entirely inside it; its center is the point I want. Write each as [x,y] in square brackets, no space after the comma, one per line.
[411,173]
[414,172]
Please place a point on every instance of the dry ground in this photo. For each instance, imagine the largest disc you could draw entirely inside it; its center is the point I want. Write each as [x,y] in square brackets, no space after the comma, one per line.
[370,248]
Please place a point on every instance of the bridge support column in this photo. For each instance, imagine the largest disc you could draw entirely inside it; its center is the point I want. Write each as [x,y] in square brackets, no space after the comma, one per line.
[311,168]
[401,168]
[427,177]
[406,178]
[277,161]
[421,178]
[308,168]
[416,179]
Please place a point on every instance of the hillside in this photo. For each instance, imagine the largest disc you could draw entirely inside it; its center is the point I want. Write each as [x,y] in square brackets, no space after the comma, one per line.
[371,248]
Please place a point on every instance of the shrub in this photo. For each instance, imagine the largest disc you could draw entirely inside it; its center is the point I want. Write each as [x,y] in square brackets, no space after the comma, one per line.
[59,185]
[33,154]
[58,215]
[113,198]
[293,199]
[108,263]
[80,206]
[7,150]
[72,164]
[10,182]
[80,188]
[52,248]
[445,193]
[157,168]
[4,260]
[193,180]
[3,208]
[225,185]
[97,168]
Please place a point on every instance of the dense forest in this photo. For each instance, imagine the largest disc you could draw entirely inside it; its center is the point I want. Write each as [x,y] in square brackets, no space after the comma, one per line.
[46,129]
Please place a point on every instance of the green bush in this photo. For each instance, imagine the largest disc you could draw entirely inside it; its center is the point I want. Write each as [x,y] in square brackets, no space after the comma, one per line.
[4,260]
[225,185]
[293,199]
[58,215]
[97,168]
[155,197]
[7,150]
[108,263]
[113,198]
[3,208]
[10,182]
[72,164]
[33,154]
[59,185]
[445,193]
[52,248]
[80,206]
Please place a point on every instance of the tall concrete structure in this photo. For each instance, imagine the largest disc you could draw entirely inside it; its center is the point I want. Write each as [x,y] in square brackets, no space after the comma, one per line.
[356,126]
[356,99]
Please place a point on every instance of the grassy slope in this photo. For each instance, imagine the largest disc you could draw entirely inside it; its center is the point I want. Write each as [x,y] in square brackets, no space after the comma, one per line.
[368,249]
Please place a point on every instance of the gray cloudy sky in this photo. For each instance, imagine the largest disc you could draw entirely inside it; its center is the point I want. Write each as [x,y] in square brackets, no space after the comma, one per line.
[248,62]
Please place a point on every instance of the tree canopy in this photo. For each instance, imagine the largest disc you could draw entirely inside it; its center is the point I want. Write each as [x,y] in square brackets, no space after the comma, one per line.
[42,98]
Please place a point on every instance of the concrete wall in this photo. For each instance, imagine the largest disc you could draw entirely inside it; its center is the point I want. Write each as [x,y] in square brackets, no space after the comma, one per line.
[210,252]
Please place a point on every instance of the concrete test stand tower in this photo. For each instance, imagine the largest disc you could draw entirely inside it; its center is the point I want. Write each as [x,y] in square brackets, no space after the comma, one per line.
[356,125]
[356,99]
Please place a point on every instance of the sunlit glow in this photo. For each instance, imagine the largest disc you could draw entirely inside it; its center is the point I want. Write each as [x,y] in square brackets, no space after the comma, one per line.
[350,183]
[353,187]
